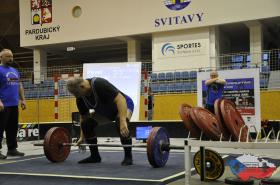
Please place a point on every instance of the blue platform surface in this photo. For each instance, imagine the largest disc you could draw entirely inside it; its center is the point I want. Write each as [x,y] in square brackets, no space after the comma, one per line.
[109,171]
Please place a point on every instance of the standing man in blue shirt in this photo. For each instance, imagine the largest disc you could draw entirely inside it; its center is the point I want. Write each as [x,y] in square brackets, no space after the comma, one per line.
[11,91]
[214,90]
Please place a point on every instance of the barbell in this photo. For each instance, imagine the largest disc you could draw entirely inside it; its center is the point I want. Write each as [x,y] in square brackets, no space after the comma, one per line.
[57,148]
[57,145]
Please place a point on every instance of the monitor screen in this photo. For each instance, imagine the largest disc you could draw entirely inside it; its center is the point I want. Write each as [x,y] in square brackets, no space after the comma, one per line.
[142,133]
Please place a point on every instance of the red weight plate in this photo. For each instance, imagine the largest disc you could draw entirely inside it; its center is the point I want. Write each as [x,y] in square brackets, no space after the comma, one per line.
[207,122]
[53,149]
[156,156]
[217,108]
[233,120]
[189,124]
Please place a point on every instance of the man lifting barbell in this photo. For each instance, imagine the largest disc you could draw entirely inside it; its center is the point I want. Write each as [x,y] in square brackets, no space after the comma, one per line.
[109,104]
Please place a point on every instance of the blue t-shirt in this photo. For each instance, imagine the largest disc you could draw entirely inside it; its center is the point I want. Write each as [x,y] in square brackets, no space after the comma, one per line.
[9,86]
[214,91]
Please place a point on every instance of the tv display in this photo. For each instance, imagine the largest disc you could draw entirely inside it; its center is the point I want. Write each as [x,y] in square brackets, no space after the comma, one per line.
[142,133]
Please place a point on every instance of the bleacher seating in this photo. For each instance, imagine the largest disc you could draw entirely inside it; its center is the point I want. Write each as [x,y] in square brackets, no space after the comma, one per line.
[154,87]
[171,87]
[163,88]
[154,77]
[265,69]
[186,86]
[178,86]
[169,76]
[185,75]
[161,77]
[193,74]
[263,83]
[177,75]
[158,82]
[193,86]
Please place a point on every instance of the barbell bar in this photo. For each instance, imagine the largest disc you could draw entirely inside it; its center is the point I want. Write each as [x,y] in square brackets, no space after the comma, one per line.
[164,146]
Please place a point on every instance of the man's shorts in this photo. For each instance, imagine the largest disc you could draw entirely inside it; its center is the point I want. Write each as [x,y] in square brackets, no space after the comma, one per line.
[129,103]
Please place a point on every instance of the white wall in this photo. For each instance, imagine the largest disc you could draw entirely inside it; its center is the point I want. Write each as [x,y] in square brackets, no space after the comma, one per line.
[105,19]
[177,57]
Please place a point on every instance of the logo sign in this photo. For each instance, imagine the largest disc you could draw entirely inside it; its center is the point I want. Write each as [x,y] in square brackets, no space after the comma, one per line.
[180,19]
[168,48]
[181,48]
[249,166]
[41,11]
[28,132]
[176,4]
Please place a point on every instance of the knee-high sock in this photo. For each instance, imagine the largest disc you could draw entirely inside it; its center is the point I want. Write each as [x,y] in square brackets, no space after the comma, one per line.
[88,127]
[93,149]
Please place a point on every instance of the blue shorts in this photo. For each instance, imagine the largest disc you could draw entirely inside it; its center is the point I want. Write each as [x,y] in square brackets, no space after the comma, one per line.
[129,103]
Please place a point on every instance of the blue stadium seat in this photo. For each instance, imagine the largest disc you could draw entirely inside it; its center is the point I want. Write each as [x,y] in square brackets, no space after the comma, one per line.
[263,83]
[161,77]
[178,87]
[27,85]
[163,87]
[154,87]
[193,86]
[193,75]
[171,87]
[154,77]
[48,82]
[185,75]
[177,75]
[169,76]
[28,94]
[186,86]
[236,65]
[265,69]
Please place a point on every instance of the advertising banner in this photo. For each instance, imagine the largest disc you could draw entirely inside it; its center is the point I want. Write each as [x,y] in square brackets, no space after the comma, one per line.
[242,87]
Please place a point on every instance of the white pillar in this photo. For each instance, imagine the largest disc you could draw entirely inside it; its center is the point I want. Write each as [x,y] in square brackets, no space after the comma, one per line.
[214,46]
[39,65]
[133,51]
[256,42]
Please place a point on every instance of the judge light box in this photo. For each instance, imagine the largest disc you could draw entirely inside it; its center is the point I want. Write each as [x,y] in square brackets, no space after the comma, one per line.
[142,133]
[125,76]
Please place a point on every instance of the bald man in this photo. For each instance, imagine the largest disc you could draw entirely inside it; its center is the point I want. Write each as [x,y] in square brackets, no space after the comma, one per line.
[214,90]
[109,104]
[11,92]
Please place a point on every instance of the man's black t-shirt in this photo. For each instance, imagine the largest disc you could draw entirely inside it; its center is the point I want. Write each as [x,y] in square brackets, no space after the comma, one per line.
[101,99]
